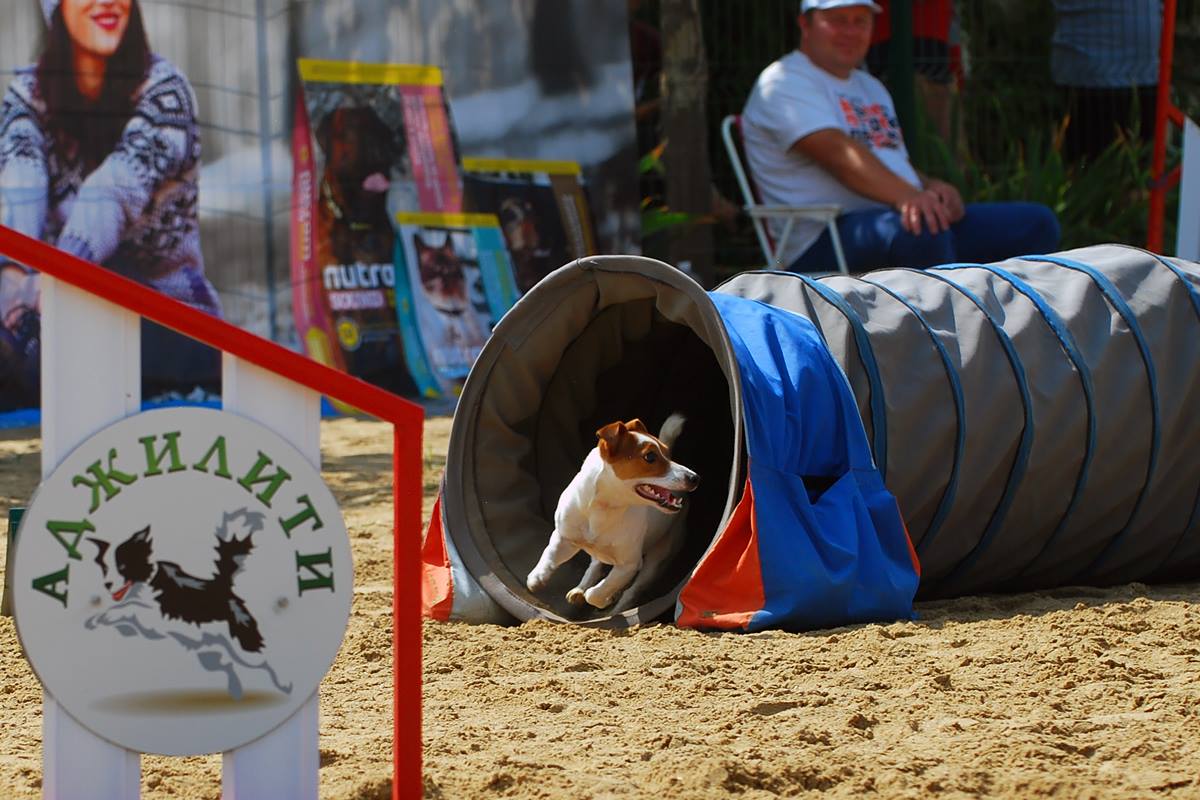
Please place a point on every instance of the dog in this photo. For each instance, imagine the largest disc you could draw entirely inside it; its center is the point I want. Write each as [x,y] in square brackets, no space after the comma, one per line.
[360,151]
[531,260]
[455,331]
[160,600]
[618,509]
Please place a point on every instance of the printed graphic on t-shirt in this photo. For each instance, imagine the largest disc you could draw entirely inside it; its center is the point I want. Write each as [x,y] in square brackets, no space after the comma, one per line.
[870,124]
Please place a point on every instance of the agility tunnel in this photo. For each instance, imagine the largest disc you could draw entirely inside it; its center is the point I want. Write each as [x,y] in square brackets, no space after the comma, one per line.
[1034,420]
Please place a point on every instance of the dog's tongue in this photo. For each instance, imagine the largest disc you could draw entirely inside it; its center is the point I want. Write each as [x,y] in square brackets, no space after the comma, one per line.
[376,182]
[120,593]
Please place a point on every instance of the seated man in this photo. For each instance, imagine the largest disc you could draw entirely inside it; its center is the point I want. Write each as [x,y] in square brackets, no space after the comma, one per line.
[819,130]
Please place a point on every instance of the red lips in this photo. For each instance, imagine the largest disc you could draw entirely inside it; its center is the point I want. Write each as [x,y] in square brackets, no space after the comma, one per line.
[107,20]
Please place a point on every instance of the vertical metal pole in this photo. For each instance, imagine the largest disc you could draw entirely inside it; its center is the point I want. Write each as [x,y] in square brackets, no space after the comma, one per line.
[264,140]
[1158,188]
[14,521]
[1187,236]
[901,75]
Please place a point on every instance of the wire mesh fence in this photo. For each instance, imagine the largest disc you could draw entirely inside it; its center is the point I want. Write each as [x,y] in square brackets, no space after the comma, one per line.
[1007,98]
[155,138]
[980,94]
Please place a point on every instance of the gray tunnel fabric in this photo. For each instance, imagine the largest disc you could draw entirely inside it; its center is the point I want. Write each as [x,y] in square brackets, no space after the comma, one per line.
[599,339]
[1037,419]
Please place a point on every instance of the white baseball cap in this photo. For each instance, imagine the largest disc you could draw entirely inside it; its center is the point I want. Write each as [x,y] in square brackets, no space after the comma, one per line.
[823,5]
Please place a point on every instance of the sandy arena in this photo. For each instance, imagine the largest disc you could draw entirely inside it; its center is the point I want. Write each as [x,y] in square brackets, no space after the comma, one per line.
[1076,693]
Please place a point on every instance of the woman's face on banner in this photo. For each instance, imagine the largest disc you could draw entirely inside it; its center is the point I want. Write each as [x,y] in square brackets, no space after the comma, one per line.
[96,26]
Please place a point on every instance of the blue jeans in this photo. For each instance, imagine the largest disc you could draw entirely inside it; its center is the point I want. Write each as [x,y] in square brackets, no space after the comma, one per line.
[988,232]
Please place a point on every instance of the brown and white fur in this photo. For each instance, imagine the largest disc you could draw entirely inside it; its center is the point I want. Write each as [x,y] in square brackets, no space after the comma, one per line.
[619,509]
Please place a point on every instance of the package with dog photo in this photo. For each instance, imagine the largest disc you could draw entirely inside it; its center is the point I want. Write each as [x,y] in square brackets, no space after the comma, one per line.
[542,207]
[369,140]
[454,282]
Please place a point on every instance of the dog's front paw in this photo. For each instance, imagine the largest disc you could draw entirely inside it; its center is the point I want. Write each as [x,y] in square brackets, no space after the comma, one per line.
[575,597]
[536,581]
[597,599]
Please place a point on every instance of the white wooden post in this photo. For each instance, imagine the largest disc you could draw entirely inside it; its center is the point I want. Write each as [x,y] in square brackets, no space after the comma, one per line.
[284,763]
[91,378]
[1187,237]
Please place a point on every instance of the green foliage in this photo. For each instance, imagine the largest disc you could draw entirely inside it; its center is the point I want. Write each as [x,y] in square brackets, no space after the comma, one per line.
[656,216]
[1106,200]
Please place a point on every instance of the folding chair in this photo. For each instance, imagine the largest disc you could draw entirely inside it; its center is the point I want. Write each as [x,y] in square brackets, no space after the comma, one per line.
[731,132]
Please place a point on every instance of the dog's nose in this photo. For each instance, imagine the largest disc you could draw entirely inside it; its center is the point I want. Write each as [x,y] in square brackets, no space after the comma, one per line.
[693,480]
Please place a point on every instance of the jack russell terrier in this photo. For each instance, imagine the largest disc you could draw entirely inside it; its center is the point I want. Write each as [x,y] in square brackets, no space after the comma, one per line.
[619,510]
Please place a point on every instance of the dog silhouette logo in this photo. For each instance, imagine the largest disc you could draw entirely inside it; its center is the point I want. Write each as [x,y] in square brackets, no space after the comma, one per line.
[182,581]
[157,599]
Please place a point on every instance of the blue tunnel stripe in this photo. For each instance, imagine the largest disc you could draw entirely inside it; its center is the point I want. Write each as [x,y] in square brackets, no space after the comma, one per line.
[1179,274]
[1020,463]
[1194,296]
[1109,289]
[1067,341]
[867,354]
[947,501]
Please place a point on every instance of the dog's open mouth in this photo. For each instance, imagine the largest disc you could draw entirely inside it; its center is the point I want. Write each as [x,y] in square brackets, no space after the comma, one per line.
[666,500]
[119,594]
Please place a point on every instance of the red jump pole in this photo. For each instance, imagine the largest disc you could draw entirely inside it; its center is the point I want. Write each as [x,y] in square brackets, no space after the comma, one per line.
[1163,109]
[407,783]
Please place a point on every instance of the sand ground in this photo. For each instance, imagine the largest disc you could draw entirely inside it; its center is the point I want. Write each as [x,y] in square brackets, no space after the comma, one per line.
[1075,693]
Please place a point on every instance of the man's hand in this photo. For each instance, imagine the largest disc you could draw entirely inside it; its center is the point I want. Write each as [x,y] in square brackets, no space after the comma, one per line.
[923,210]
[934,208]
[950,197]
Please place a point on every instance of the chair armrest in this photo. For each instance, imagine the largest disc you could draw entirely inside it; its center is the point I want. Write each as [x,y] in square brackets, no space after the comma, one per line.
[819,213]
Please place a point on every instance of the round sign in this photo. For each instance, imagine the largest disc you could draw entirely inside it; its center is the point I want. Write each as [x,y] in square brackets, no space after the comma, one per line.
[182,582]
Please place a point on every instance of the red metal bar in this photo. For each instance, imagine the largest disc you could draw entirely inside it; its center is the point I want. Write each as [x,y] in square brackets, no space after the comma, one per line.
[407,420]
[1163,111]
[406,620]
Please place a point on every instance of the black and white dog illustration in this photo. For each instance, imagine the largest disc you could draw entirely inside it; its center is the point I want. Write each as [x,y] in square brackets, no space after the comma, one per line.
[159,599]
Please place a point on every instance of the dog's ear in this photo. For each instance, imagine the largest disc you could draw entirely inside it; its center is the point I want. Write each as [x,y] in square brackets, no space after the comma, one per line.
[610,438]
[636,425]
[378,146]
[324,131]
[101,549]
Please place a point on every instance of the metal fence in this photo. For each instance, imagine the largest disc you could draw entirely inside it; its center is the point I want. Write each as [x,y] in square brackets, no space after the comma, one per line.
[239,56]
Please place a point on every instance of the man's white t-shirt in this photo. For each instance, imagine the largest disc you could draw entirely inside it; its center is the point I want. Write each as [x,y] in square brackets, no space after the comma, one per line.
[793,98]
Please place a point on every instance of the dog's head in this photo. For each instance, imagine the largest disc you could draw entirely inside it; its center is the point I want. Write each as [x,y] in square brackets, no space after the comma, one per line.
[520,228]
[442,274]
[643,463]
[131,561]
[356,143]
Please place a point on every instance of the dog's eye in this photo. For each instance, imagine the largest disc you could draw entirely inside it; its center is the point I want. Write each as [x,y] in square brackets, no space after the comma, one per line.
[650,457]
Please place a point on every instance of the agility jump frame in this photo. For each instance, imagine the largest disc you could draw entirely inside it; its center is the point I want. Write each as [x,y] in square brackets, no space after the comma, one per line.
[1185,174]
[91,377]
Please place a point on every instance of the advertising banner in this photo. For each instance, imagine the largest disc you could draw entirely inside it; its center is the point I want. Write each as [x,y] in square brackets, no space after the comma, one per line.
[207,176]
[455,282]
[542,207]
[370,141]
[107,170]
